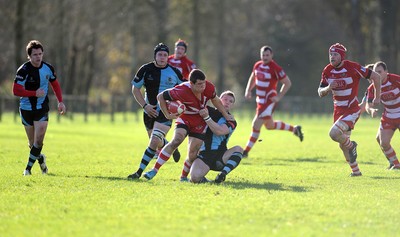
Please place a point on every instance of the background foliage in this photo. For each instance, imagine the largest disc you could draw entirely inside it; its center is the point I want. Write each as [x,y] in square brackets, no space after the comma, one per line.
[97,45]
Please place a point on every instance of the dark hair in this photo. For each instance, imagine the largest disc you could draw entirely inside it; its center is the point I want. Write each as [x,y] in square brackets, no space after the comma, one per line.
[196,74]
[160,47]
[382,64]
[265,48]
[33,44]
[182,43]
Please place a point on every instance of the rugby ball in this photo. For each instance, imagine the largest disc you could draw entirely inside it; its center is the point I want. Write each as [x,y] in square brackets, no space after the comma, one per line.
[176,107]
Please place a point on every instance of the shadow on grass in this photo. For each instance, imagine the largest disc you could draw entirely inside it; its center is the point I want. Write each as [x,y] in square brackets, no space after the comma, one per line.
[267,186]
[287,161]
[382,177]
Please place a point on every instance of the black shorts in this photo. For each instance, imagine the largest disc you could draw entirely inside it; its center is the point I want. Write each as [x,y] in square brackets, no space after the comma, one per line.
[149,121]
[28,116]
[213,159]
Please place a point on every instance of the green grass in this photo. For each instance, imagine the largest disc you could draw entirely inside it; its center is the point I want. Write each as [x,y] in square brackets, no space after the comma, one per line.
[285,188]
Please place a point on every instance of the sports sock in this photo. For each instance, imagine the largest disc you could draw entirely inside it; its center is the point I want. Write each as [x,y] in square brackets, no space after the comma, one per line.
[33,156]
[186,168]
[347,143]
[232,163]
[253,138]
[162,158]
[354,167]
[147,156]
[279,125]
[391,156]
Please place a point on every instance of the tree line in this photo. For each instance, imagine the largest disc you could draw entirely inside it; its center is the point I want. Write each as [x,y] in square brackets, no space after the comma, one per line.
[97,46]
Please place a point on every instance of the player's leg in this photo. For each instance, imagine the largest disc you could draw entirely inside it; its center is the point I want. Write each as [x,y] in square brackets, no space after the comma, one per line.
[198,171]
[272,124]
[231,159]
[40,128]
[195,142]
[178,137]
[378,139]
[255,133]
[157,137]
[340,132]
[385,137]
[30,133]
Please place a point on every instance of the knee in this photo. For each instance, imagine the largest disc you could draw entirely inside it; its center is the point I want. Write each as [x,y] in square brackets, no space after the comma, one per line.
[384,144]
[194,178]
[238,149]
[335,133]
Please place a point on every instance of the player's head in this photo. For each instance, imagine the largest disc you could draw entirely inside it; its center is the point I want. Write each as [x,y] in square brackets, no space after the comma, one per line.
[266,54]
[34,50]
[337,53]
[180,48]
[161,52]
[197,80]
[381,68]
[228,99]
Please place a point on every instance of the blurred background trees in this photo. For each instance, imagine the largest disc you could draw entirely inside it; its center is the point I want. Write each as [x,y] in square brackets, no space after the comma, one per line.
[96,46]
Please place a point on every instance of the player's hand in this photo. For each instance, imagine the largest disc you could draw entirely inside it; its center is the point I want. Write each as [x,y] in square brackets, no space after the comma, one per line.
[376,101]
[172,116]
[230,117]
[247,95]
[151,110]
[40,92]
[61,108]
[275,99]
[373,112]
[204,113]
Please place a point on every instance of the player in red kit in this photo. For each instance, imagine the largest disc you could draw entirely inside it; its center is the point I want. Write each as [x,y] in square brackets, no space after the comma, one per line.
[194,94]
[180,60]
[342,78]
[390,120]
[265,77]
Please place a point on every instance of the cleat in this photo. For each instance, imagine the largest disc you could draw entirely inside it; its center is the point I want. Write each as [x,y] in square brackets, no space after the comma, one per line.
[355,174]
[353,152]
[245,154]
[204,180]
[134,176]
[395,167]
[298,132]
[149,175]
[43,166]
[220,178]
[184,179]
[27,172]
[390,167]
[176,155]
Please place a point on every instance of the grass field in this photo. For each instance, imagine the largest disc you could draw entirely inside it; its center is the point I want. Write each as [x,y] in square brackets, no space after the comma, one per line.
[285,188]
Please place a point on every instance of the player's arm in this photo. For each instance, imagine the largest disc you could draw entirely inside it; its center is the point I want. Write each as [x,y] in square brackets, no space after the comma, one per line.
[251,83]
[19,90]
[150,109]
[57,91]
[216,101]
[286,84]
[324,89]
[162,101]
[376,80]
[217,129]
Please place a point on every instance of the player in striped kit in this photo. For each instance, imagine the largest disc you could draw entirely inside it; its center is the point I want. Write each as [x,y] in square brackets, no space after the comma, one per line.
[265,77]
[342,77]
[31,84]
[390,120]
[180,60]
[194,94]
